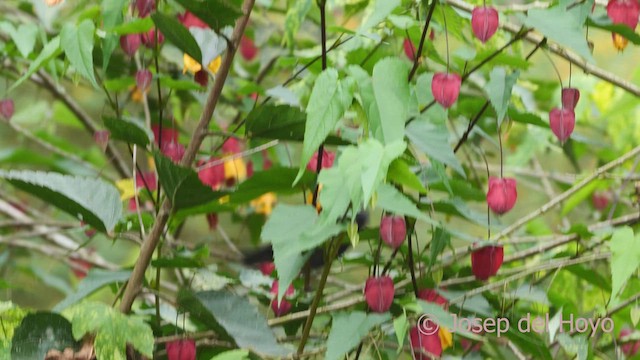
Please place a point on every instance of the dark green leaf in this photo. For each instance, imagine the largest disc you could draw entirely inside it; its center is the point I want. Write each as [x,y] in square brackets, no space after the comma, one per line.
[182,185]
[128,130]
[95,201]
[216,13]
[277,179]
[177,34]
[242,321]
[400,173]
[604,23]
[40,332]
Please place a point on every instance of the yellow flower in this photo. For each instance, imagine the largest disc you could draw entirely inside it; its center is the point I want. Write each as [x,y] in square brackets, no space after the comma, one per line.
[126,188]
[224,199]
[136,94]
[264,204]
[235,169]
[214,65]
[446,340]
[190,65]
[310,199]
[620,42]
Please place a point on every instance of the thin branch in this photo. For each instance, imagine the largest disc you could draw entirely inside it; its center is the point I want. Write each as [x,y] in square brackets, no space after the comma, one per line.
[418,54]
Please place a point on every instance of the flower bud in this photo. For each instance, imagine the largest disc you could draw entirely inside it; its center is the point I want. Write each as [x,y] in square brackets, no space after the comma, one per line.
[130,43]
[379,292]
[393,230]
[484,22]
[562,122]
[143,79]
[570,97]
[7,108]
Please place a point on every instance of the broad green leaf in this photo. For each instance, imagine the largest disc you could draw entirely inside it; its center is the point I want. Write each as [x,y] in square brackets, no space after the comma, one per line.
[77,43]
[365,97]
[176,84]
[440,239]
[559,26]
[276,122]
[50,51]
[25,38]
[128,130]
[400,173]
[401,327]
[178,35]
[111,16]
[242,321]
[96,202]
[377,11]
[182,185]
[295,16]
[113,330]
[526,118]
[293,229]
[277,179]
[348,329]
[581,196]
[40,332]
[375,161]
[499,90]
[433,139]
[330,98]
[391,90]
[625,258]
[577,346]
[119,84]
[392,200]
[95,280]
[216,13]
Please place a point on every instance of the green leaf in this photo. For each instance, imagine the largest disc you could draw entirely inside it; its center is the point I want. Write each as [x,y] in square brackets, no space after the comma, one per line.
[10,316]
[580,196]
[439,241]
[134,26]
[295,16]
[38,333]
[559,26]
[281,122]
[499,89]
[391,90]
[113,330]
[128,130]
[400,173]
[348,329]
[95,201]
[216,13]
[50,51]
[182,185]
[433,139]
[25,38]
[604,23]
[177,34]
[95,280]
[242,321]
[176,84]
[392,200]
[77,43]
[119,84]
[625,258]
[111,17]
[526,118]
[330,98]
[401,327]
[292,229]
[277,179]
[377,11]
[577,346]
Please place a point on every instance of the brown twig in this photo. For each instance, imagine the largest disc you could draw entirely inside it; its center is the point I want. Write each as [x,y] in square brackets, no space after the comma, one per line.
[146,252]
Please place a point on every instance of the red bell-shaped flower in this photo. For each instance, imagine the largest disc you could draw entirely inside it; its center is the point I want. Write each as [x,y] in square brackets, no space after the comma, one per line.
[181,350]
[425,341]
[393,230]
[629,349]
[130,43]
[7,108]
[211,175]
[328,158]
[430,295]
[147,180]
[173,150]
[600,200]
[562,122]
[149,38]
[446,88]
[486,261]
[570,97]
[231,146]
[267,268]
[484,22]
[248,49]
[143,79]
[502,194]
[145,7]
[623,12]
[168,134]
[379,292]
[189,20]
[281,308]
[409,49]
